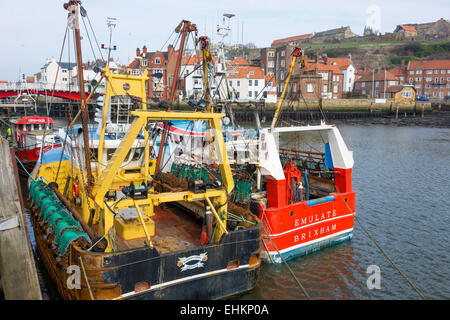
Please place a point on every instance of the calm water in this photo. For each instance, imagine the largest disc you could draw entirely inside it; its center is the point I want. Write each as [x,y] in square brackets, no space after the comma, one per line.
[401,176]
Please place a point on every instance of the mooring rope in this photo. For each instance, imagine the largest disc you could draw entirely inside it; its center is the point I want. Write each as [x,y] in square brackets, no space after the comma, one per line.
[287,265]
[381,249]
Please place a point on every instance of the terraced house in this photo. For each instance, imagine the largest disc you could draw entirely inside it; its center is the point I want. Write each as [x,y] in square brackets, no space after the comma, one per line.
[430,78]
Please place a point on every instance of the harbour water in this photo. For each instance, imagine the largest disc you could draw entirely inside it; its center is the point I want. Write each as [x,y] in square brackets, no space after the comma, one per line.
[401,176]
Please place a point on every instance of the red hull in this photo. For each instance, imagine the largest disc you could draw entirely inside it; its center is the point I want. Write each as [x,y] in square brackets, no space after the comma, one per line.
[299,228]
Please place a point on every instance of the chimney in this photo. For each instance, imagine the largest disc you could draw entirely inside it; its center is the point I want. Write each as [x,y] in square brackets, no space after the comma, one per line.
[170,50]
[325,58]
[138,52]
[144,51]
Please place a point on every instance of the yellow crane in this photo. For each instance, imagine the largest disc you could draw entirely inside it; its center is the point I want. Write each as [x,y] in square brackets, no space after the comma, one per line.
[296,53]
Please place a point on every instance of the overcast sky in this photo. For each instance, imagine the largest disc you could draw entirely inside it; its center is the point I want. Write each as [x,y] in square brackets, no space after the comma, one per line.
[33,31]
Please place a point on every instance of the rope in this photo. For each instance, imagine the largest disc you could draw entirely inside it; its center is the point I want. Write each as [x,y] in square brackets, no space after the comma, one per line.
[381,249]
[286,264]
[25,169]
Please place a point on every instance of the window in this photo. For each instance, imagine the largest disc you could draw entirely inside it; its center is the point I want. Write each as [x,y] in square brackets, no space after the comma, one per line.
[377,83]
[429,72]
[392,83]
[443,71]
[157,61]
[283,53]
[251,73]
[406,94]
[249,83]
[64,70]
[144,62]
[271,54]
[442,80]
[64,79]
[231,83]
[428,86]
[256,94]
[249,93]
[310,87]
[238,83]
[436,80]
[283,63]
[270,64]
[419,72]
[429,79]
[418,86]
[335,88]
[325,88]
[364,92]
[411,72]
[256,82]
[434,94]
[363,84]
[436,71]
[418,79]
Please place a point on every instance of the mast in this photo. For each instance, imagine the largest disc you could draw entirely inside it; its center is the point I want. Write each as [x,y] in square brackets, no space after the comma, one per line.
[187,27]
[73,21]
[297,53]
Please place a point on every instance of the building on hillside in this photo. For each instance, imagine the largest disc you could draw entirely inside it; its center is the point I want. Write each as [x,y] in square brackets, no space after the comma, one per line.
[294,40]
[268,60]
[400,73]
[430,78]
[157,64]
[317,80]
[270,90]
[405,32]
[374,84]
[348,70]
[57,73]
[245,82]
[402,95]
[191,82]
[332,35]
[439,29]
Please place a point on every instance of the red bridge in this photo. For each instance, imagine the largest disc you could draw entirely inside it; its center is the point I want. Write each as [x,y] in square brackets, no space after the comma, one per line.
[60,91]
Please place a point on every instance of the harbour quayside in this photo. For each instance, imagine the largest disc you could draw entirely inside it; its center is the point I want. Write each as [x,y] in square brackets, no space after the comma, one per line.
[105,213]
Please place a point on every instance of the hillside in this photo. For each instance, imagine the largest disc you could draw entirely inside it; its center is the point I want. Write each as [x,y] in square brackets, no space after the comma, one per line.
[376,54]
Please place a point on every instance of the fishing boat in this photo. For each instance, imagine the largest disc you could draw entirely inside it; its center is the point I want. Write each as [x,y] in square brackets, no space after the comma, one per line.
[102,218]
[296,179]
[31,135]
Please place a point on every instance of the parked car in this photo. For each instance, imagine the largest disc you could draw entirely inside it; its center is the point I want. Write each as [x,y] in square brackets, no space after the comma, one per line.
[422,98]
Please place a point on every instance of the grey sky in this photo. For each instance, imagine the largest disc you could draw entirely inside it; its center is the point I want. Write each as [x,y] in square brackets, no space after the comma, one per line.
[33,30]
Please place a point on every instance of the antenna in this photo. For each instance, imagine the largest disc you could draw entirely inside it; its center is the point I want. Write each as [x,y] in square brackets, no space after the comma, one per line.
[111,23]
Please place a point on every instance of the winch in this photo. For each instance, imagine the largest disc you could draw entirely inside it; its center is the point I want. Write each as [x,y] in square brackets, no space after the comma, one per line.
[136,192]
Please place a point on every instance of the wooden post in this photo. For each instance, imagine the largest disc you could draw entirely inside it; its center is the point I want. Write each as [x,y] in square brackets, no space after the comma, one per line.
[396,113]
[17,268]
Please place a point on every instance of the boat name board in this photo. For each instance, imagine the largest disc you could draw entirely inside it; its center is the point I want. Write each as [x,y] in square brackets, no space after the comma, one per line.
[183,262]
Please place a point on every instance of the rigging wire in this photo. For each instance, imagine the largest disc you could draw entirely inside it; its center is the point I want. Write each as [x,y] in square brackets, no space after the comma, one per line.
[380,248]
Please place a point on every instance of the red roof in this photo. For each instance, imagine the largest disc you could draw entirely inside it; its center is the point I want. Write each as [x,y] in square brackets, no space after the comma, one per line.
[271,79]
[241,72]
[429,64]
[379,76]
[323,67]
[408,28]
[290,39]
[397,88]
[342,63]
[239,61]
